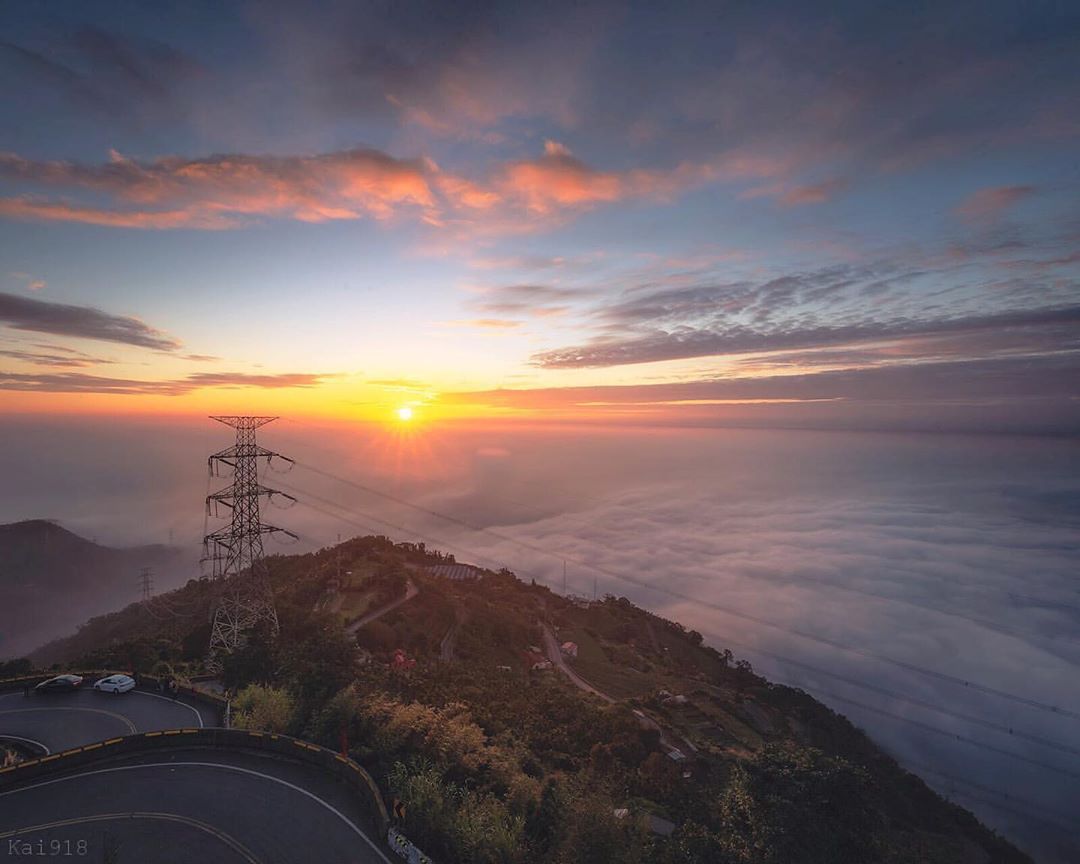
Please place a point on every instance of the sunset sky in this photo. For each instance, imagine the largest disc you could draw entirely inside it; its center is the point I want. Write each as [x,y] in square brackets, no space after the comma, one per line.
[704,213]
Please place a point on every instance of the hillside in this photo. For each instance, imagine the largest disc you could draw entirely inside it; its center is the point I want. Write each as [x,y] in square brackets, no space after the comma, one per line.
[52,580]
[682,754]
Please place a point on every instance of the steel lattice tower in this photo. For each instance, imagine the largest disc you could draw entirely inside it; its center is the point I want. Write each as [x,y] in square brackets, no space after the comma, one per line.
[236,551]
[146,582]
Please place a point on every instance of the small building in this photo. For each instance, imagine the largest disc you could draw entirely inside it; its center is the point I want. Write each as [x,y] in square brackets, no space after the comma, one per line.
[401,661]
[569,649]
[678,699]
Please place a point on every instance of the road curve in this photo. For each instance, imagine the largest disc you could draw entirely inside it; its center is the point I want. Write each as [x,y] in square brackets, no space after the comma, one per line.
[555,655]
[63,720]
[192,804]
[179,804]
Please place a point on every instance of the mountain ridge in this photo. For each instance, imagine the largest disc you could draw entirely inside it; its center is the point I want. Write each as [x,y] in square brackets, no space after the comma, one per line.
[52,579]
[764,774]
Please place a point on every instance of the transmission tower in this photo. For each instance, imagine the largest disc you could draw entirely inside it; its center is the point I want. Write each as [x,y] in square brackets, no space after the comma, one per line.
[236,550]
[146,582]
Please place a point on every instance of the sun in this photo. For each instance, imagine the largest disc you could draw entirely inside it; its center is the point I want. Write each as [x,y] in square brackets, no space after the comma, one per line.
[404,414]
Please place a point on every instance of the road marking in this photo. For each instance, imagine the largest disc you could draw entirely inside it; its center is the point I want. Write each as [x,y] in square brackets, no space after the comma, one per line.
[5,736]
[231,842]
[119,717]
[190,708]
[220,767]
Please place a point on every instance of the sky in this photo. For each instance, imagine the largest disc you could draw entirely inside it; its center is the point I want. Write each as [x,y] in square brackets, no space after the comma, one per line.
[703,214]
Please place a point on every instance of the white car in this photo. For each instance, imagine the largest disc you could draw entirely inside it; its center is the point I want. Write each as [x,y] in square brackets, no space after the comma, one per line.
[115,684]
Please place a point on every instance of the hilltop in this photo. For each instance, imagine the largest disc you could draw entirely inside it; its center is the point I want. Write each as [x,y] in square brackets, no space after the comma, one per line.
[647,746]
[52,580]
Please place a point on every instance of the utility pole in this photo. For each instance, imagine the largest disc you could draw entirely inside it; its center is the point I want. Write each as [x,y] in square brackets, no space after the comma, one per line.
[146,582]
[236,551]
[564,577]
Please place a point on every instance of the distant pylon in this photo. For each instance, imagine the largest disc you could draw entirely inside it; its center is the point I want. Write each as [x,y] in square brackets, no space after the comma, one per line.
[146,581]
[236,551]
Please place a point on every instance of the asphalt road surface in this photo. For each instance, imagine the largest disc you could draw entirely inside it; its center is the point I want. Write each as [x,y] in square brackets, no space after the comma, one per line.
[57,721]
[182,805]
[189,805]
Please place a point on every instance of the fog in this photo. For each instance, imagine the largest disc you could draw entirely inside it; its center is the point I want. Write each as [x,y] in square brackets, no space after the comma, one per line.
[878,572]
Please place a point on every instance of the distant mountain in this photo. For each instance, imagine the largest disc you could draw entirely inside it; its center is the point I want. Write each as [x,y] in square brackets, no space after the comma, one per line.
[51,580]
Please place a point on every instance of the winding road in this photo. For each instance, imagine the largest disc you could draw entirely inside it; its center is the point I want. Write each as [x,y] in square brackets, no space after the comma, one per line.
[180,804]
[58,721]
[669,742]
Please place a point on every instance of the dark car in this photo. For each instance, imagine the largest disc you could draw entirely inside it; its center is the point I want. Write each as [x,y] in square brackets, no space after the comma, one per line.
[59,683]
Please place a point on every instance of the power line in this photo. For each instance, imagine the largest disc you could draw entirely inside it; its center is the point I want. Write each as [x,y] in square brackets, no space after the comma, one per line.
[1012,596]
[924,726]
[1009,807]
[832,643]
[943,732]
[910,700]
[870,687]
[309,497]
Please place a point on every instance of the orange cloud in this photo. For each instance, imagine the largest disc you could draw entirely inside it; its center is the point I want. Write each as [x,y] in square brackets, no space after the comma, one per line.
[30,209]
[228,191]
[486,323]
[557,180]
[219,191]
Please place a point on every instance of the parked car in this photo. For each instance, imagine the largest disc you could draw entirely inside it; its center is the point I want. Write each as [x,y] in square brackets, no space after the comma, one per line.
[115,684]
[59,683]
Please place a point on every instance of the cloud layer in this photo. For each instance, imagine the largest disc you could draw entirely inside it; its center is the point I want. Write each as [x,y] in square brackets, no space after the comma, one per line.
[78,382]
[230,191]
[82,322]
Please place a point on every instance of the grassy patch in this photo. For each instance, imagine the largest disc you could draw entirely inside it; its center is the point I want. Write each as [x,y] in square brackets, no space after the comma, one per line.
[593,664]
[356,603]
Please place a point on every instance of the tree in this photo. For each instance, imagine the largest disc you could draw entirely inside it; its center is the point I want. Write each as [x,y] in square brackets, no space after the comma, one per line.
[595,836]
[799,806]
[252,663]
[16,668]
[545,822]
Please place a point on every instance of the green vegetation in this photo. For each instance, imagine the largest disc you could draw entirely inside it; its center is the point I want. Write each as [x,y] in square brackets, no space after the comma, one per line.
[496,763]
[263,709]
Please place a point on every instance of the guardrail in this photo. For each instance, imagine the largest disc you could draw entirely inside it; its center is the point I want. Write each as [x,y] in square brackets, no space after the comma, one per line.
[343,768]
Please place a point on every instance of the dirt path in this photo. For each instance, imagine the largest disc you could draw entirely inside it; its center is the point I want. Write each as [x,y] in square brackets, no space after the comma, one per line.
[446,647]
[410,591]
[555,655]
